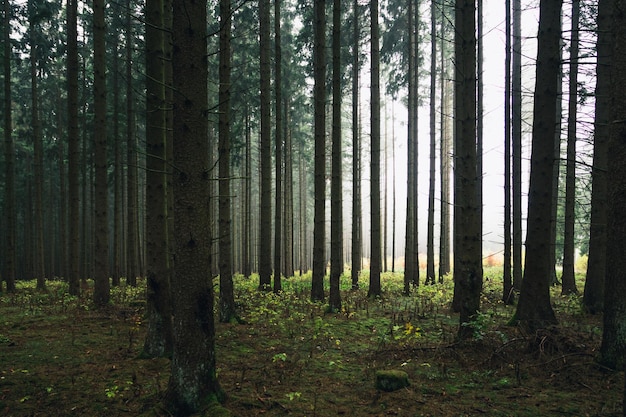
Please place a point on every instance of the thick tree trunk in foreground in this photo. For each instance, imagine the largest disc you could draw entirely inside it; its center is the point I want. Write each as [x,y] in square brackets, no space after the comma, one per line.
[534,309]
[613,346]
[468,239]
[593,296]
[193,381]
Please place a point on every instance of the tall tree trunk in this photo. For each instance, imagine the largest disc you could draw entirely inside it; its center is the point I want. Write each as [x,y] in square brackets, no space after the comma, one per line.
[288,248]
[278,194]
[479,114]
[430,245]
[534,309]
[516,143]
[303,264]
[375,264]
[132,257]
[158,340]
[556,174]
[265,222]
[247,206]
[357,244]
[593,296]
[63,259]
[73,148]
[117,170]
[193,379]
[227,307]
[319,99]
[336,206]
[468,269]
[101,293]
[614,333]
[569,245]
[444,235]
[38,261]
[411,255]
[9,161]
[507,292]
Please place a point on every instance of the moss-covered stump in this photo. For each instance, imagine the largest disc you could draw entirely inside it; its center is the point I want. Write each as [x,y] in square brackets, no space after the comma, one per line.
[391,380]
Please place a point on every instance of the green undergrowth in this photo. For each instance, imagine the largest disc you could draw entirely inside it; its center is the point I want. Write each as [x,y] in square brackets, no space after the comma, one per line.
[59,355]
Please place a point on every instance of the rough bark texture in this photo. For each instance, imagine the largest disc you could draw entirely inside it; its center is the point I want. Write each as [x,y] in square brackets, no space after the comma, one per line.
[468,239]
[336,203]
[193,381]
[534,309]
[319,93]
[593,297]
[613,346]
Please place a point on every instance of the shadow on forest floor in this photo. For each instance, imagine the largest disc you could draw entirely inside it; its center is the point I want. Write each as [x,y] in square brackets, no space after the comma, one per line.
[59,356]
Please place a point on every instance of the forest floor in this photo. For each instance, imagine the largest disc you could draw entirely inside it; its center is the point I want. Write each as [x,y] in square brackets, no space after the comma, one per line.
[61,357]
